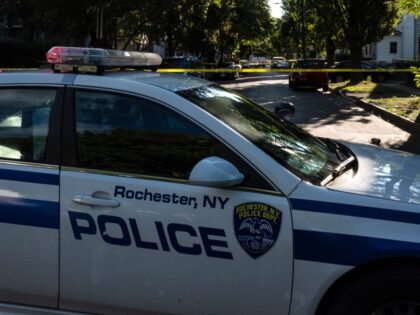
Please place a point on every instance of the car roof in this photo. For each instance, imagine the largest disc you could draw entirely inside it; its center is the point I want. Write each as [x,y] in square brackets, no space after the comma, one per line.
[179,57]
[168,81]
[348,63]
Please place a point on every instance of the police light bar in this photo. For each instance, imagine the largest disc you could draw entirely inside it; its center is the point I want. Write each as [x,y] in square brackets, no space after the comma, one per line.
[96,59]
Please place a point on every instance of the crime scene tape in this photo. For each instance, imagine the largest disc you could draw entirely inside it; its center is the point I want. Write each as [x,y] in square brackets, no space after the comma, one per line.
[249,70]
[260,70]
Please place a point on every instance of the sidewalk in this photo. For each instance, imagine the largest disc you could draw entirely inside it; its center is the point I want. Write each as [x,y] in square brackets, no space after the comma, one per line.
[394,102]
[407,88]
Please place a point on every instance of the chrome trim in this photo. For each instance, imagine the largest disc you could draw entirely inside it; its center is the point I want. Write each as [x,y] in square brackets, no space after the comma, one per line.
[29,164]
[163,179]
[31,85]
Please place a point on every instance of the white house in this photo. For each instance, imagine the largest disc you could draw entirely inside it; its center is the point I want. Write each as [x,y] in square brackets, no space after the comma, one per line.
[404,43]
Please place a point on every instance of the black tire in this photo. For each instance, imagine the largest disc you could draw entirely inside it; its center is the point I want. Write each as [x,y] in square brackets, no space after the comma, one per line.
[379,291]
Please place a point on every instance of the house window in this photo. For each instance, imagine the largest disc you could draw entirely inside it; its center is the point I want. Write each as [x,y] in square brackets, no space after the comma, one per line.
[393,47]
[418,50]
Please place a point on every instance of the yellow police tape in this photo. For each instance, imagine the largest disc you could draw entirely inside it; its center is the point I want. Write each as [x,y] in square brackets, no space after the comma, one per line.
[248,70]
[17,69]
[259,70]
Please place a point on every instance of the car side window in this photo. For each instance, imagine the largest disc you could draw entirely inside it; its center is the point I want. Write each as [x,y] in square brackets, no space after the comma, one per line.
[24,123]
[124,134]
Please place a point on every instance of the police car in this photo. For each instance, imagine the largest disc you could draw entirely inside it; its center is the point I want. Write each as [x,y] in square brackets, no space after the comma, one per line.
[145,193]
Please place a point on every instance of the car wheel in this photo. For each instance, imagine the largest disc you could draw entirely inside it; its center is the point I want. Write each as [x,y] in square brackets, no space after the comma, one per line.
[381,291]
[325,88]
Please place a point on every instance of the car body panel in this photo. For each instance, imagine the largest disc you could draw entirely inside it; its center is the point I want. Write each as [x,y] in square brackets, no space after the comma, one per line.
[383,173]
[30,243]
[205,275]
[335,232]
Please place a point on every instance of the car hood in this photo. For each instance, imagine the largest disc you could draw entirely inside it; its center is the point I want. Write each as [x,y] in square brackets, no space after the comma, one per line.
[383,173]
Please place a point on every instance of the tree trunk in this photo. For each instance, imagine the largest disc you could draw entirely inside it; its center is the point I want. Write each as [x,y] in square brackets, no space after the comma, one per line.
[171,46]
[355,61]
[330,51]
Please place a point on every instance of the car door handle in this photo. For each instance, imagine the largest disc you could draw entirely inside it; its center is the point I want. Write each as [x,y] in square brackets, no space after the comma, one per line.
[94,201]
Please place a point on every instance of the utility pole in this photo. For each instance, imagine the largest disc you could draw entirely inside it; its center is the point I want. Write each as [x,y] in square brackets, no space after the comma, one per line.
[100,23]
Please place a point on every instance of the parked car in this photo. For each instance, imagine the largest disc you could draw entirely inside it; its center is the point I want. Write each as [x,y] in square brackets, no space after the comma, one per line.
[259,62]
[244,63]
[309,79]
[381,76]
[227,70]
[279,64]
[183,62]
[276,59]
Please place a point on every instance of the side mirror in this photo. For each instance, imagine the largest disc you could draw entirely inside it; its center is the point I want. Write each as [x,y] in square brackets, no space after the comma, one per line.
[216,172]
[284,110]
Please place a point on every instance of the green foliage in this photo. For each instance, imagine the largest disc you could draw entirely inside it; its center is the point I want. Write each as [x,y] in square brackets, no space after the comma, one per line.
[201,27]
[410,6]
[326,25]
[416,72]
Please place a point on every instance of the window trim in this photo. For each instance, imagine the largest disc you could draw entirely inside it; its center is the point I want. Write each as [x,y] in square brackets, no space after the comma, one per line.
[52,146]
[163,179]
[393,45]
[69,139]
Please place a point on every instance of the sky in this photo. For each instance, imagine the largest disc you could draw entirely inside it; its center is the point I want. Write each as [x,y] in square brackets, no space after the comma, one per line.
[275,6]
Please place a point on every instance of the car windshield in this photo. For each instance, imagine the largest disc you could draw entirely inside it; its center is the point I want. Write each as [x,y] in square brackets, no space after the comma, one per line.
[304,155]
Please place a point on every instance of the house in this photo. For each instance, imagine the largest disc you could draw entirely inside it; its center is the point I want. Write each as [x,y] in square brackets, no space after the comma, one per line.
[403,43]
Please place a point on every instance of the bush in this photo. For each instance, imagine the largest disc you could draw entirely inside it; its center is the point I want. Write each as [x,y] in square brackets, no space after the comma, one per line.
[20,54]
[416,72]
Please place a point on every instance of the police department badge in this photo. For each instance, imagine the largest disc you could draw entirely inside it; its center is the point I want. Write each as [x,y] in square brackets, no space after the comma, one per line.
[257,227]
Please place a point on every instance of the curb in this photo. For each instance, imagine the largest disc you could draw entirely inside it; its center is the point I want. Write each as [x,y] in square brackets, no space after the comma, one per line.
[401,122]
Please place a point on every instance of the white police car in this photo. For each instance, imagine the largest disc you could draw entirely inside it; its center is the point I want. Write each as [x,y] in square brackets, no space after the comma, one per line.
[143,193]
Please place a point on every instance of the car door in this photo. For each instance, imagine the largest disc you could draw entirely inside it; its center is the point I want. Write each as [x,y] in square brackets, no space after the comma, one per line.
[138,237]
[29,186]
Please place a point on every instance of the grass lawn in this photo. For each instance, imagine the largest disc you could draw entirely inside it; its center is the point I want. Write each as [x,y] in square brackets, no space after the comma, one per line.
[365,87]
[393,99]
[408,107]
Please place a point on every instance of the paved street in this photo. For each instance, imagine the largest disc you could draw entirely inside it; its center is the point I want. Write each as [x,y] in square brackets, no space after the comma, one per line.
[325,114]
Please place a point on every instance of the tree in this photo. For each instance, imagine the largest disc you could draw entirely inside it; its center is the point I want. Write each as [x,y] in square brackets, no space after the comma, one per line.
[410,7]
[378,19]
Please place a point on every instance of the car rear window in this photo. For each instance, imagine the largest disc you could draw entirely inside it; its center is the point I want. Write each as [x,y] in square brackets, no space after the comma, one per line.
[310,64]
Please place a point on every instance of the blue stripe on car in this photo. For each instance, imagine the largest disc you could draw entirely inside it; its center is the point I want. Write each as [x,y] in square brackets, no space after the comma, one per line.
[30,177]
[29,212]
[350,250]
[355,211]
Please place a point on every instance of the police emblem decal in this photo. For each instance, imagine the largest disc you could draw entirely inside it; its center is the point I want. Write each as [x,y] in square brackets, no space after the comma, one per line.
[257,227]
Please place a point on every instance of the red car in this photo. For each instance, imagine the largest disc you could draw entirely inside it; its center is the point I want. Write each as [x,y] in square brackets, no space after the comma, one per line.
[309,79]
